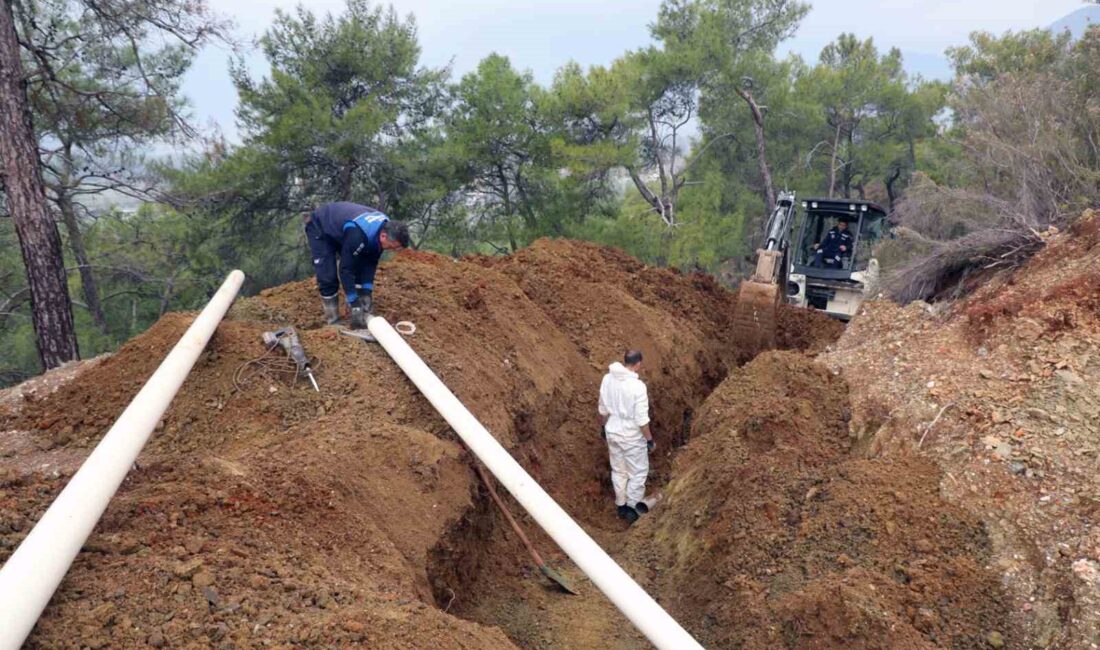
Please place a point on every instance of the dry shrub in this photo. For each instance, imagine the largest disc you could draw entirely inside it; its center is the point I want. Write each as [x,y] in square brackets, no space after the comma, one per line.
[1032,141]
[950,263]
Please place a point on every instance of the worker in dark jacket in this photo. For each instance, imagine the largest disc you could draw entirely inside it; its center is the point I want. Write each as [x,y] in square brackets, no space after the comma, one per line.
[356,235]
[835,247]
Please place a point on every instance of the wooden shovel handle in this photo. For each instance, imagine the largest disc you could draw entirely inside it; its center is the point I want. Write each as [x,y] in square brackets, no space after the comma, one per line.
[507,515]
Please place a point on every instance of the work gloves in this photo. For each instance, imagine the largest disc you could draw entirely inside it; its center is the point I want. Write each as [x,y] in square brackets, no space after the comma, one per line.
[360,310]
[651,445]
[331,307]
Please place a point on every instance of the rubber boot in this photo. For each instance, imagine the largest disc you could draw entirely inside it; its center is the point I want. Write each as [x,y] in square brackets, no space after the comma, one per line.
[621,511]
[641,507]
[358,315]
[631,515]
[331,307]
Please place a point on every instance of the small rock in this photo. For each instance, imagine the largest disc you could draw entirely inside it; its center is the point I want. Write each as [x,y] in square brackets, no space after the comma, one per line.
[202,579]
[217,632]
[193,545]
[924,545]
[104,615]
[1017,467]
[355,627]
[156,639]
[187,569]
[995,640]
[9,477]
[1068,377]
[1003,451]
[986,374]
[1087,570]
[1038,413]
[211,596]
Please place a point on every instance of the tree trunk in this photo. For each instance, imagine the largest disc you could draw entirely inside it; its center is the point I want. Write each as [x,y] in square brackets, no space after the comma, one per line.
[166,297]
[39,240]
[343,182]
[761,157]
[848,158]
[647,194]
[832,161]
[76,244]
[891,193]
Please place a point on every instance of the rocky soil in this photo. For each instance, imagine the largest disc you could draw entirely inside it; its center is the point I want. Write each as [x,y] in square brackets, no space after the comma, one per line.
[926,481]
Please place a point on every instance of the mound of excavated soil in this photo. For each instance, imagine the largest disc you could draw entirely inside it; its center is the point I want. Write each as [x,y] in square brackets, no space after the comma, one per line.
[264,513]
[772,534]
[1001,389]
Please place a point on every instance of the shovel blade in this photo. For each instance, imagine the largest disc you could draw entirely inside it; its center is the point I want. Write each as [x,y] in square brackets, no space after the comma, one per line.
[360,334]
[558,579]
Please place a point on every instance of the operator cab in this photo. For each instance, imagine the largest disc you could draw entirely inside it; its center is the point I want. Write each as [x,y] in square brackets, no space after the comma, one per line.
[835,273]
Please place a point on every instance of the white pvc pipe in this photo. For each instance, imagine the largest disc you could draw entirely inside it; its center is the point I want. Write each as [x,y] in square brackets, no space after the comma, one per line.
[33,572]
[653,621]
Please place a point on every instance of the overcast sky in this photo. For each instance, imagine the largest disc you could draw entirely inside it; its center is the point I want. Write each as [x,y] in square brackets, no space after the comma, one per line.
[541,35]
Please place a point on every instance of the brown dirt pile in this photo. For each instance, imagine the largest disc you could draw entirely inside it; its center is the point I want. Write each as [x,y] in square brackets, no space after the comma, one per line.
[773,534]
[267,514]
[1000,389]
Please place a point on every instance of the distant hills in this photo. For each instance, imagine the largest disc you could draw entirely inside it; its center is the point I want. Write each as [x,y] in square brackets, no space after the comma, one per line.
[936,66]
[1077,22]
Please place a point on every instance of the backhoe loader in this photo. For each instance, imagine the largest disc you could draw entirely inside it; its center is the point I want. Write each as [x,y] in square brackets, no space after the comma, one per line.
[801,275]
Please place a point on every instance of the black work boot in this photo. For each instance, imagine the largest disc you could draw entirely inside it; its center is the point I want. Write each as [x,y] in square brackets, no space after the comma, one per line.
[631,515]
[622,511]
[641,507]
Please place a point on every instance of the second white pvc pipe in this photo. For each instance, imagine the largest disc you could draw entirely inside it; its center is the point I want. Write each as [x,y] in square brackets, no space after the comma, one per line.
[31,575]
[644,612]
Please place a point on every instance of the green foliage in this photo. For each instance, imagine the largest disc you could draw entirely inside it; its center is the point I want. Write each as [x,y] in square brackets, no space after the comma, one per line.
[495,131]
[665,152]
[344,98]
[990,57]
[872,119]
[146,262]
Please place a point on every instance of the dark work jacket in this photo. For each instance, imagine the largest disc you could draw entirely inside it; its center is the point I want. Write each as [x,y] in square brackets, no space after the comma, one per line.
[834,239]
[355,228]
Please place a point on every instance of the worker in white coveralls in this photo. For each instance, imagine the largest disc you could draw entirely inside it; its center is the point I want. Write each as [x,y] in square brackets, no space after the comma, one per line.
[624,422]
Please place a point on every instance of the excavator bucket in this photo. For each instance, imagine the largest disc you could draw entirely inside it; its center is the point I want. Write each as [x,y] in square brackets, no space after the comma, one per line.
[754,318]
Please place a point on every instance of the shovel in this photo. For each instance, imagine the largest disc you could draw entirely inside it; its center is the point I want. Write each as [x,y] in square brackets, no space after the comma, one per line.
[546,570]
[364,335]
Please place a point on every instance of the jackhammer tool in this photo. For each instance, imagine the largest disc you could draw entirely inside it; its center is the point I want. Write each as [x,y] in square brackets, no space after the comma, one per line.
[287,339]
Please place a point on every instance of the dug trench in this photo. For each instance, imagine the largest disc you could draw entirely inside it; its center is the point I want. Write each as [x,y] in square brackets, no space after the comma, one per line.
[264,514]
